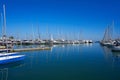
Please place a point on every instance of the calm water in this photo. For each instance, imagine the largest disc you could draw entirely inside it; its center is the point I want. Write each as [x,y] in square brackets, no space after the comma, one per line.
[65,62]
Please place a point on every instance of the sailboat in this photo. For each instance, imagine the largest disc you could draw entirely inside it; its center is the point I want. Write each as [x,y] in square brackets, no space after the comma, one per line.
[8,57]
[107,39]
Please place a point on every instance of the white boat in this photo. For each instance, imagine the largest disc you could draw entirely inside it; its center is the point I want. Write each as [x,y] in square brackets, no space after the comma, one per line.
[116,48]
[8,54]
[9,59]
[105,43]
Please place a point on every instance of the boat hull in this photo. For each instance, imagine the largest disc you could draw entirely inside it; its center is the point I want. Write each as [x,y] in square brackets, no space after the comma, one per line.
[8,54]
[116,49]
[10,59]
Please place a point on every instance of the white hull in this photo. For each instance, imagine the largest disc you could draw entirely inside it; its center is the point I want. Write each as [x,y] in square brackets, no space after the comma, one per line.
[9,59]
[7,54]
[116,48]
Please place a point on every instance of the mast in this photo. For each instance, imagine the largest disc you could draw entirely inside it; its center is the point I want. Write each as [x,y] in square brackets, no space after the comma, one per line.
[112,35]
[47,33]
[105,35]
[4,28]
[4,23]
[39,33]
[51,37]
[109,33]
[33,35]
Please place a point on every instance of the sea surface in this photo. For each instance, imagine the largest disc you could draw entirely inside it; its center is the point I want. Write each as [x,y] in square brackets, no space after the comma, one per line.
[65,62]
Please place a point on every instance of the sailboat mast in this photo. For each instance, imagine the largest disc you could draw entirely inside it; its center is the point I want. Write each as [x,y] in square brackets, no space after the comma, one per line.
[33,35]
[1,15]
[112,35]
[105,35]
[38,33]
[4,24]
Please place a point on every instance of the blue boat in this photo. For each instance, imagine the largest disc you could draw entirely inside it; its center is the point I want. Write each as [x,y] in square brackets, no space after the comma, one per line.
[10,59]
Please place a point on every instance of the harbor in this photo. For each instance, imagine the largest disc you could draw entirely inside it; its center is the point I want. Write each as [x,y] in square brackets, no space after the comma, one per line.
[59,40]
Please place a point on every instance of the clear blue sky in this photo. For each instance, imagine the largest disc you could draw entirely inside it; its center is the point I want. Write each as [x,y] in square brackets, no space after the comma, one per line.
[70,17]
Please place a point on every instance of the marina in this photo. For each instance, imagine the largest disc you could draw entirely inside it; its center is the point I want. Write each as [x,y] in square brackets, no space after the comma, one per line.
[59,40]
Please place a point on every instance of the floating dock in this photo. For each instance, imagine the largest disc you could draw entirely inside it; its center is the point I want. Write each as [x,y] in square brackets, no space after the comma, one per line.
[30,49]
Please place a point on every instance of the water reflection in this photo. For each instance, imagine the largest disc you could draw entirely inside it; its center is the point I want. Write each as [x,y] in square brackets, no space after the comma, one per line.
[67,62]
[113,57]
[107,53]
[4,74]
[4,69]
[116,58]
[62,51]
[88,44]
[56,55]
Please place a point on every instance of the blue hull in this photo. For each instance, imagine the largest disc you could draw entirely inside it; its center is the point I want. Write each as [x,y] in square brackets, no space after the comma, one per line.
[12,60]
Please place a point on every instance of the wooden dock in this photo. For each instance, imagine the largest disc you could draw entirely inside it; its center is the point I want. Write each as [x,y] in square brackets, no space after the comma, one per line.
[30,49]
